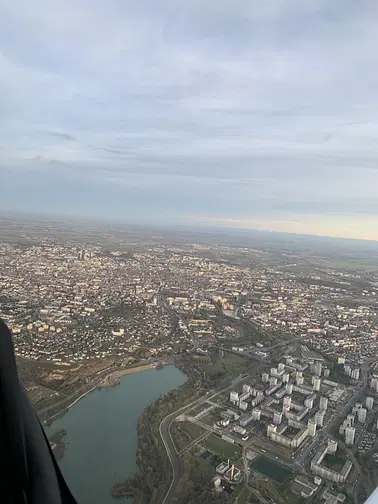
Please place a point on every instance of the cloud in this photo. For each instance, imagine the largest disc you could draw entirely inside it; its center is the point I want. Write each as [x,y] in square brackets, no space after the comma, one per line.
[65,136]
[230,108]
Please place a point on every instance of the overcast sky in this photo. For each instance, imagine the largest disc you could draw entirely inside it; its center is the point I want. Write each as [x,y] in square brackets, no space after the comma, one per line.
[244,113]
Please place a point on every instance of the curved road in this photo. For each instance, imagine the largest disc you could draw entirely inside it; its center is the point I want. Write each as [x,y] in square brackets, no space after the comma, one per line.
[165,433]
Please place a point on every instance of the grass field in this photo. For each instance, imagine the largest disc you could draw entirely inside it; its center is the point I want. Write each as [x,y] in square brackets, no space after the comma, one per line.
[184,433]
[231,364]
[221,447]
[244,495]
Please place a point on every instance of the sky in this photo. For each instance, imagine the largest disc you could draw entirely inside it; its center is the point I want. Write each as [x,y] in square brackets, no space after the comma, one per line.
[230,113]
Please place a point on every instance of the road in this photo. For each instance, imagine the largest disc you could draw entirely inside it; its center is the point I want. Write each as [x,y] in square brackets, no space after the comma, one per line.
[251,353]
[165,433]
[246,466]
[82,391]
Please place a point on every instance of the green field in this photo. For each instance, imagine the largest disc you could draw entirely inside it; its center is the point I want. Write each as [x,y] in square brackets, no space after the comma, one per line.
[244,495]
[184,433]
[231,365]
[221,447]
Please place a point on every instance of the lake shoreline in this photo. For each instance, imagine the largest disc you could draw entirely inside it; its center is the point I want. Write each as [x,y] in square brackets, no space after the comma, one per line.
[111,417]
[150,445]
[110,380]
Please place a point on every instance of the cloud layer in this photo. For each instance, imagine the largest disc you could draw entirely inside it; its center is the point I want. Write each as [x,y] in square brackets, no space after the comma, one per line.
[233,112]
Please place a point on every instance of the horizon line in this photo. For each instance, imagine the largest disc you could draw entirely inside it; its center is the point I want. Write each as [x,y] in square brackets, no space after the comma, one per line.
[183,226]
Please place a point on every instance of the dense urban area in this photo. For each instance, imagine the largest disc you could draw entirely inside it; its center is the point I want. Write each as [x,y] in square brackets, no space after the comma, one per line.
[279,343]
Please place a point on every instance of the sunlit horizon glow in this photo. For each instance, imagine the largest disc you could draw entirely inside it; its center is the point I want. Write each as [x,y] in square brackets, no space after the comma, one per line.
[250,113]
[314,225]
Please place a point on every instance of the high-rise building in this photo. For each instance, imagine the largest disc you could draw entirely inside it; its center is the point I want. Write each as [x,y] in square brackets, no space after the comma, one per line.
[281,367]
[277,418]
[317,368]
[332,446]
[234,397]
[285,410]
[316,384]
[272,381]
[299,380]
[289,388]
[311,428]
[309,401]
[247,388]
[326,372]
[374,384]
[350,419]
[319,418]
[287,401]
[285,378]
[355,374]
[272,429]
[323,403]
[243,405]
[349,435]
[369,403]
[256,414]
[361,415]
[348,370]
[265,377]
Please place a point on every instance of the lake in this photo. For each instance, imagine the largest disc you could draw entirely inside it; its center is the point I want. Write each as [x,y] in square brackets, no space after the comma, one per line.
[271,469]
[102,438]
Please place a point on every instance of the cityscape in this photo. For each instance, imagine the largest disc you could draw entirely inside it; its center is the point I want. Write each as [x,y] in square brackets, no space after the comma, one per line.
[189,251]
[279,347]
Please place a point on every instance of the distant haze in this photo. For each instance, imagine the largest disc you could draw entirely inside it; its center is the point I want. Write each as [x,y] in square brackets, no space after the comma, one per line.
[228,113]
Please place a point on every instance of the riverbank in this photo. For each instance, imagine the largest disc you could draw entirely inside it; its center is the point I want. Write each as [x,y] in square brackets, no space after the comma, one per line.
[112,378]
[102,432]
[57,443]
[150,483]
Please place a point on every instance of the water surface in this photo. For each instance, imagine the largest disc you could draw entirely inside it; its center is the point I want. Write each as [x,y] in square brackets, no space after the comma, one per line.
[101,440]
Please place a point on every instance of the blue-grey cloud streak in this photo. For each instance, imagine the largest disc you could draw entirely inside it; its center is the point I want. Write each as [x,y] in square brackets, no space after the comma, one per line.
[225,111]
